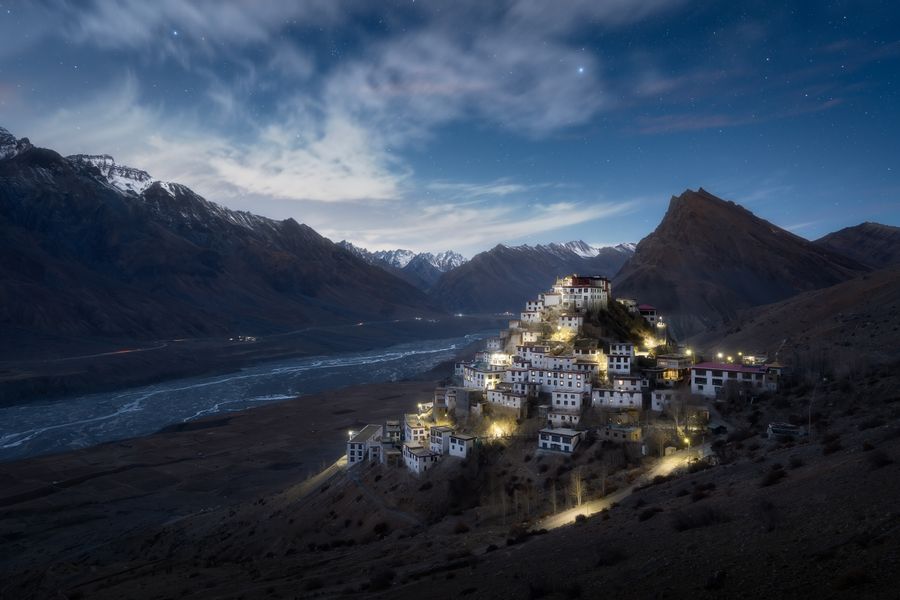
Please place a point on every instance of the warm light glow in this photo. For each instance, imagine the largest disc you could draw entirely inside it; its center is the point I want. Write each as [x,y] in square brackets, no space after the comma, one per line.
[350,433]
[719,356]
[689,352]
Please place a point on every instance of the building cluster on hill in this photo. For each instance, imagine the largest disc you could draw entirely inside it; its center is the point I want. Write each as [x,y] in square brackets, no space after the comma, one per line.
[561,363]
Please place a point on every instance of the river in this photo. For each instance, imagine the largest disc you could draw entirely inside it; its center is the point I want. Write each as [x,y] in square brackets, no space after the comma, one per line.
[80,421]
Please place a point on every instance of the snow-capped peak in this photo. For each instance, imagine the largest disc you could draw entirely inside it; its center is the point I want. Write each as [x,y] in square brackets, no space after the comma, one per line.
[10,146]
[396,258]
[577,247]
[447,260]
[126,179]
[400,259]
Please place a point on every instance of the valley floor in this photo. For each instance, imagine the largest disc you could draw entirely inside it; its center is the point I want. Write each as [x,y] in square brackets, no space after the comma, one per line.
[38,369]
[223,508]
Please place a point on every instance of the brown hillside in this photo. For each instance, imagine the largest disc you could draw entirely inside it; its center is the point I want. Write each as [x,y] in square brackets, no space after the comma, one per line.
[709,258]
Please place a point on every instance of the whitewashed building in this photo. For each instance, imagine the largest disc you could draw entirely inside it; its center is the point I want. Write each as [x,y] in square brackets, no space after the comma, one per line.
[661,399]
[365,445]
[481,376]
[611,398]
[559,439]
[709,379]
[649,313]
[550,381]
[531,316]
[567,400]
[414,430]
[621,355]
[461,445]
[440,439]
[418,458]
[558,419]
[530,337]
[570,322]
[534,305]
[506,398]
[582,293]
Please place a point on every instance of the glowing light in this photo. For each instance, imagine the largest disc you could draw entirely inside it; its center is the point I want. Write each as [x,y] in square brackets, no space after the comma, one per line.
[350,434]
[719,356]
[689,352]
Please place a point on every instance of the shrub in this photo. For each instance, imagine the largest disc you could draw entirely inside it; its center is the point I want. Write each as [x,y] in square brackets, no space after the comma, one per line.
[461,528]
[773,477]
[878,459]
[871,423]
[851,578]
[313,584]
[831,447]
[693,518]
[648,513]
[382,580]
[580,518]
[381,528]
[607,557]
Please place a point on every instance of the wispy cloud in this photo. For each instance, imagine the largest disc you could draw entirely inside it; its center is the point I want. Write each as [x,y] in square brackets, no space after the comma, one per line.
[474,225]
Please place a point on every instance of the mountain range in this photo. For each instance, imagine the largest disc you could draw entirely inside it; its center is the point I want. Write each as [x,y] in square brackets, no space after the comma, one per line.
[500,278]
[419,269]
[93,248]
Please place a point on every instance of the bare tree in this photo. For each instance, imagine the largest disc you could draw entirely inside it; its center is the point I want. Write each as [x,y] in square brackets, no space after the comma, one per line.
[577,483]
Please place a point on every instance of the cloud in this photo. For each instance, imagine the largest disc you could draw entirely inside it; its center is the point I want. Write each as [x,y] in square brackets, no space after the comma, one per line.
[303,158]
[468,226]
[498,187]
[336,136]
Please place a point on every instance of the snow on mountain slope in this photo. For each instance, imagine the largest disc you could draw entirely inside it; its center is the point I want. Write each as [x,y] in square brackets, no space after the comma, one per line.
[10,146]
[401,259]
[126,179]
[396,258]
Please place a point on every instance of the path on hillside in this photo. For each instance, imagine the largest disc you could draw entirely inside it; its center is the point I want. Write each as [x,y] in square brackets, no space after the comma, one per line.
[663,466]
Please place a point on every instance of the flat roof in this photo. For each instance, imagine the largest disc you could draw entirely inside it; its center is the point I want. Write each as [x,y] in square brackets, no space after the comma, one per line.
[366,433]
[463,436]
[729,367]
[442,428]
[622,427]
[420,451]
[560,431]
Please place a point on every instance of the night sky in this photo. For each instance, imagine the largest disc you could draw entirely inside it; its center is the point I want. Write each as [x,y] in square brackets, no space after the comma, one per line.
[435,125]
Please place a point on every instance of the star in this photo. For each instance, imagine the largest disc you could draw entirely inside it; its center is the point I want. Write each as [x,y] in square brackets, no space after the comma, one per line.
[580,70]
[175,32]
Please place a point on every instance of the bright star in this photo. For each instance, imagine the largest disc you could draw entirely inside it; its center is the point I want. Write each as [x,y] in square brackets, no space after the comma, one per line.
[581,69]
[175,32]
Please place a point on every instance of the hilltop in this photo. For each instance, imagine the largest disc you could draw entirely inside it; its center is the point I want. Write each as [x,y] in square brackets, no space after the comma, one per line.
[710,258]
[871,244]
